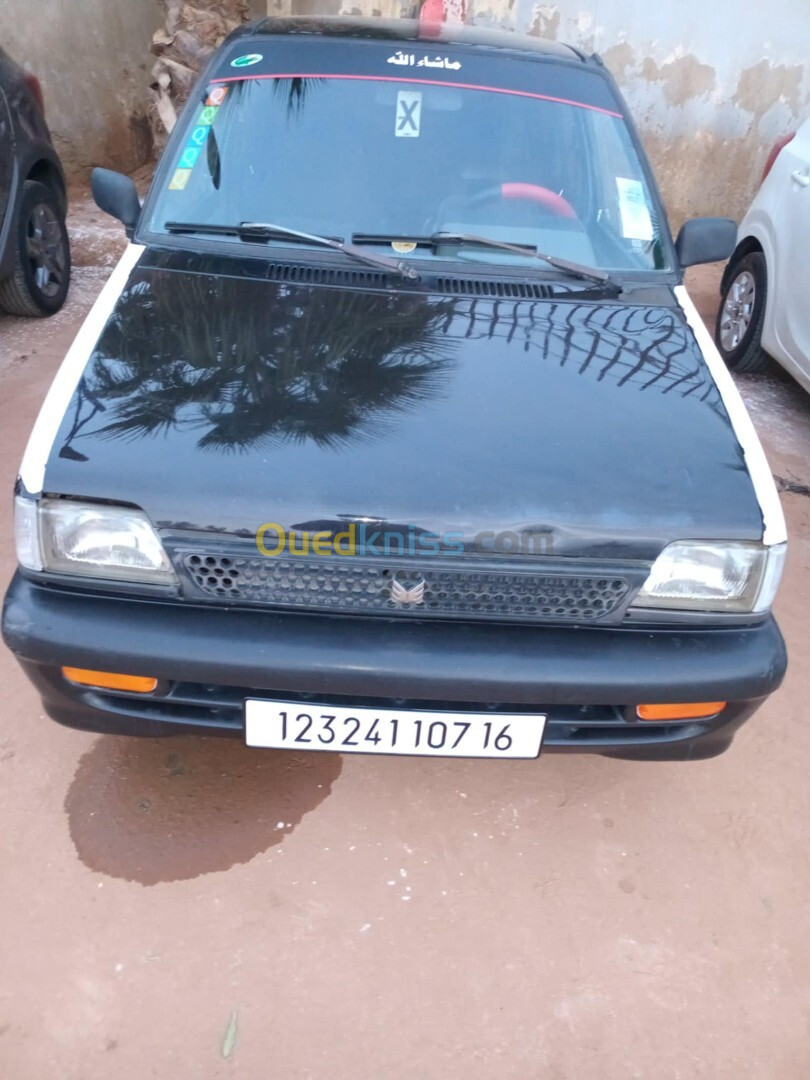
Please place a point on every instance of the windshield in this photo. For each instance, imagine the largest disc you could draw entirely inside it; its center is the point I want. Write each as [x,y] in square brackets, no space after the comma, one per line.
[394,156]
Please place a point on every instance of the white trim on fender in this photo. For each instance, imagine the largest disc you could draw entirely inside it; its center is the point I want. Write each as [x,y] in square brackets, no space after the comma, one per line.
[774,529]
[40,441]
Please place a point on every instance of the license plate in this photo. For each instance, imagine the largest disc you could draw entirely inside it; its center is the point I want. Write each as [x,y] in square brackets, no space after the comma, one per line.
[297,726]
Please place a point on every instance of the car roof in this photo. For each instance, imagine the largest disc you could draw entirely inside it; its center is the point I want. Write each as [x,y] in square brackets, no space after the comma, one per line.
[411,30]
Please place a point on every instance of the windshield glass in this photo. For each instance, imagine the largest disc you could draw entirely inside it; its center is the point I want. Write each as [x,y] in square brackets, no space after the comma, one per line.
[412,149]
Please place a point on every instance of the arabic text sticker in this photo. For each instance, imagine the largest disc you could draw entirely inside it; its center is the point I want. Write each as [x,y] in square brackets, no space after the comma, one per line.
[636,221]
[216,95]
[179,180]
[408,60]
[409,112]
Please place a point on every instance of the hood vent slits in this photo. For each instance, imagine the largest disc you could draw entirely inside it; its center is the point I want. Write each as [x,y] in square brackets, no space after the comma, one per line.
[300,274]
[511,290]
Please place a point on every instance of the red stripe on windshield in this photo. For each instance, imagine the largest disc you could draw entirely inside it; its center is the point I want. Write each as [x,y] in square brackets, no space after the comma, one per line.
[428,82]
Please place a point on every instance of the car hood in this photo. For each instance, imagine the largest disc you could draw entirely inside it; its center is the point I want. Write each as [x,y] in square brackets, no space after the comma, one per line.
[220,397]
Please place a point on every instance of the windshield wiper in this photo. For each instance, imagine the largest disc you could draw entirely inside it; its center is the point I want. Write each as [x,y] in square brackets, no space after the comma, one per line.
[574,269]
[263,232]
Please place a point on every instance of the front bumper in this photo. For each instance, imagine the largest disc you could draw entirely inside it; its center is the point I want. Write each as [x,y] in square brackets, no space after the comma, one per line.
[208,659]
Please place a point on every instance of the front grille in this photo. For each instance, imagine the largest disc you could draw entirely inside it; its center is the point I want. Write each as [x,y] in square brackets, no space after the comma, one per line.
[367,586]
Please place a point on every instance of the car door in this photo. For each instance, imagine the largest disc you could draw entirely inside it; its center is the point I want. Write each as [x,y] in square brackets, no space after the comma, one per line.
[6,158]
[792,311]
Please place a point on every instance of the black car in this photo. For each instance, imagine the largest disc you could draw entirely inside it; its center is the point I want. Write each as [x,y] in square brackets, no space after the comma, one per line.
[395,429]
[34,247]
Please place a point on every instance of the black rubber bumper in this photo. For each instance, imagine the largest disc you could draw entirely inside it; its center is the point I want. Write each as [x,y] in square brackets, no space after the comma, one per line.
[372,659]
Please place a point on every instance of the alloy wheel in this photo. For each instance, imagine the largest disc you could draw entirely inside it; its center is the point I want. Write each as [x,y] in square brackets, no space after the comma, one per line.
[45,246]
[738,310]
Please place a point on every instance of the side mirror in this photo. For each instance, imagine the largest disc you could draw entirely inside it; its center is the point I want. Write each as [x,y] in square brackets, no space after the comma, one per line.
[116,195]
[705,240]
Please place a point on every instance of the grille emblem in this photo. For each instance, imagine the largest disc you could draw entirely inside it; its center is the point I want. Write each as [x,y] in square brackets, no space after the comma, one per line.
[408,596]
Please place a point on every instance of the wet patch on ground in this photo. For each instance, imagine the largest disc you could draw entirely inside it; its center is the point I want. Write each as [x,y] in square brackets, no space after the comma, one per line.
[160,810]
[96,239]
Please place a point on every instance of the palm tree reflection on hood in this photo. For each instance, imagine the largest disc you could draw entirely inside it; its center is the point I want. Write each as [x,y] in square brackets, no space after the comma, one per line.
[306,366]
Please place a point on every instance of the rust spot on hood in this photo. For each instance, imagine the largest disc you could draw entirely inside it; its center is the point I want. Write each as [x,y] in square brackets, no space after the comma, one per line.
[158,810]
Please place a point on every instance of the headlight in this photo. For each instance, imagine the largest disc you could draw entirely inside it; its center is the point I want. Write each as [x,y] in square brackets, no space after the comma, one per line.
[693,575]
[90,539]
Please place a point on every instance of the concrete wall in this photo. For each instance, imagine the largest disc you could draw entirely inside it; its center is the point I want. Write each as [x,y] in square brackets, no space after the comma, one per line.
[92,57]
[711,83]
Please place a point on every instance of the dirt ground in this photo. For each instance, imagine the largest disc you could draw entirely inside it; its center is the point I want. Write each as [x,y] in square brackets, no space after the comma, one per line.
[190,908]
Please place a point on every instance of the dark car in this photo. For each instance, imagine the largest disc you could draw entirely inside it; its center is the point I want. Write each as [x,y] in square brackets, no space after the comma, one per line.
[395,429]
[34,247]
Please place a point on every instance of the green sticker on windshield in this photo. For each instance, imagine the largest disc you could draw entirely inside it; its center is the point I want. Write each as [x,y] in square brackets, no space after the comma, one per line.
[246,61]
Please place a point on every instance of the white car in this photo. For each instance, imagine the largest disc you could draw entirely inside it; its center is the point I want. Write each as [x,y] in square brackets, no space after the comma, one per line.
[764,311]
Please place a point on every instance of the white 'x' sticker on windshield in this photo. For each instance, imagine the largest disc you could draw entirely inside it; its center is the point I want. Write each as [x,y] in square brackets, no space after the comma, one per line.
[409,112]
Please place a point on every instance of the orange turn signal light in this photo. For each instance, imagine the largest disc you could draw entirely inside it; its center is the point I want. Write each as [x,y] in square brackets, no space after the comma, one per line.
[110,680]
[693,710]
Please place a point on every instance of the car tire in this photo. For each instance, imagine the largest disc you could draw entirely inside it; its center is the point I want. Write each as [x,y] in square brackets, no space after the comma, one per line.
[742,313]
[39,282]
